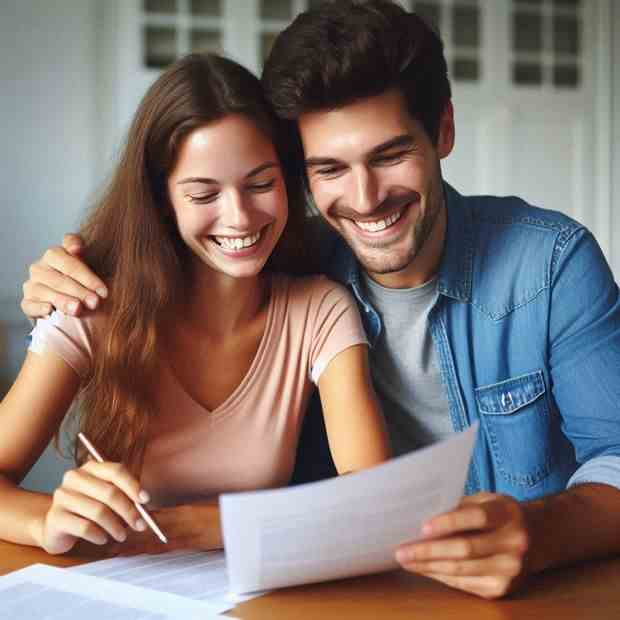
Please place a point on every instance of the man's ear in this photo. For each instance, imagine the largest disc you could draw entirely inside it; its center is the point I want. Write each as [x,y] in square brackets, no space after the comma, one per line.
[445,140]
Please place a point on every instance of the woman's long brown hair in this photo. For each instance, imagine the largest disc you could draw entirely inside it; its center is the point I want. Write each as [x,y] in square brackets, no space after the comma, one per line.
[132,242]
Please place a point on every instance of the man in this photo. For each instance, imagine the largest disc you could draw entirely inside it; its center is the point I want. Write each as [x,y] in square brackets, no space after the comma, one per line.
[477,308]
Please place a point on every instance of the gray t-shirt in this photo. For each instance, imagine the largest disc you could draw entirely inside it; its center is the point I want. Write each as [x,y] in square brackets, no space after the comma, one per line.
[405,369]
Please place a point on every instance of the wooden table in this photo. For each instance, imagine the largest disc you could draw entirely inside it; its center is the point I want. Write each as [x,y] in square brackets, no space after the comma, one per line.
[587,592]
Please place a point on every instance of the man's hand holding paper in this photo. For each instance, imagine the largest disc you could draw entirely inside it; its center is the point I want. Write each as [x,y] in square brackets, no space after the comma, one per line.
[479,547]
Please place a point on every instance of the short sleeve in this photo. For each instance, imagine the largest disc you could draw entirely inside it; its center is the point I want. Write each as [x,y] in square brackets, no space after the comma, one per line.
[68,337]
[336,325]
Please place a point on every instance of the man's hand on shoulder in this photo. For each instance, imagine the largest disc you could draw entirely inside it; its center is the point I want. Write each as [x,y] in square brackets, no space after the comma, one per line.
[479,547]
[61,280]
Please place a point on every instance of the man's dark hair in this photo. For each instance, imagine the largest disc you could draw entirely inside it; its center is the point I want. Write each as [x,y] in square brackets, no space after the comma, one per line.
[346,50]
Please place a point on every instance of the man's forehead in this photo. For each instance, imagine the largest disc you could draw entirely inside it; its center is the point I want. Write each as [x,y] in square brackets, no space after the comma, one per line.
[360,126]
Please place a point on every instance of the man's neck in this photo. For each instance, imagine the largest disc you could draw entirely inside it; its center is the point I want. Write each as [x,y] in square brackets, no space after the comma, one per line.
[425,265]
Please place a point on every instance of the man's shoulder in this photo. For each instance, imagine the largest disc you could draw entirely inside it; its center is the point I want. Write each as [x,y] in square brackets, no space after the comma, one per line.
[515,250]
[495,213]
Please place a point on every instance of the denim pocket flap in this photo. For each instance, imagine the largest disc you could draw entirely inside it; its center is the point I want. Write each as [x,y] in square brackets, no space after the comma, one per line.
[508,396]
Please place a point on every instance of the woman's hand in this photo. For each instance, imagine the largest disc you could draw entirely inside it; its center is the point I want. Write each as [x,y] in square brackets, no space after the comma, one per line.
[189,526]
[94,503]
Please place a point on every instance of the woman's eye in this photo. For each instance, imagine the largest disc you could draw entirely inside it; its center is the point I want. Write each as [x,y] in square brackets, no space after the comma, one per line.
[262,187]
[201,198]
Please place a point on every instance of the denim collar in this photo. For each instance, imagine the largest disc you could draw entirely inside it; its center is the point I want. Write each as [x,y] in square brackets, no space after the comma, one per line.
[455,270]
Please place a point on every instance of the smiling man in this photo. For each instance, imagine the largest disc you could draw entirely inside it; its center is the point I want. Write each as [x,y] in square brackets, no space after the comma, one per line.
[477,308]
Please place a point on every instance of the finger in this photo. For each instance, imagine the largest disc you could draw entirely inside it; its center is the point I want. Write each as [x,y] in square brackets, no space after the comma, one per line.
[81,516]
[464,547]
[486,515]
[41,294]
[36,309]
[505,564]
[72,243]
[486,587]
[44,279]
[120,476]
[59,259]
[82,483]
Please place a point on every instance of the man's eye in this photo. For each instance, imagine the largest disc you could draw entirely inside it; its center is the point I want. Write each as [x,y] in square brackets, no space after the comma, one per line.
[329,171]
[259,188]
[390,158]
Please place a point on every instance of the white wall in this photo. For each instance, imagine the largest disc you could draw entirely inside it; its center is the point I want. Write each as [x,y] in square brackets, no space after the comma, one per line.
[48,145]
[48,153]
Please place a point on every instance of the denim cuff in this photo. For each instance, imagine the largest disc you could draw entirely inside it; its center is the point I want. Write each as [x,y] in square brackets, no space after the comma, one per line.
[602,469]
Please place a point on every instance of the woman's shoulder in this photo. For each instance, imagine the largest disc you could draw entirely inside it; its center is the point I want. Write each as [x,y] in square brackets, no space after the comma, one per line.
[308,288]
[83,329]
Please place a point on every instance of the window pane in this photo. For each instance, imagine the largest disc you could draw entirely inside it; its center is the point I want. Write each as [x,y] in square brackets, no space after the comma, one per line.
[275,9]
[565,34]
[465,26]
[466,69]
[206,41]
[430,12]
[160,6]
[566,75]
[527,73]
[527,32]
[209,8]
[160,46]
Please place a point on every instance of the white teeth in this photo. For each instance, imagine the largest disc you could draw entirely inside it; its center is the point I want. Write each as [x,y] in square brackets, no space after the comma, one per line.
[380,224]
[238,243]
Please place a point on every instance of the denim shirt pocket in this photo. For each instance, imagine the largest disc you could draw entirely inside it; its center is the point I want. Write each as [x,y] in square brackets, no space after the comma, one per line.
[516,417]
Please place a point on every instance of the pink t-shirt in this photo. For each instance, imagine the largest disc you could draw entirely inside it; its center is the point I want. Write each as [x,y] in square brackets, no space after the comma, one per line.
[250,440]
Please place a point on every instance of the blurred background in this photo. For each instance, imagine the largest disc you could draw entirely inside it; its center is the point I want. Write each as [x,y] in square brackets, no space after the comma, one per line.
[536,93]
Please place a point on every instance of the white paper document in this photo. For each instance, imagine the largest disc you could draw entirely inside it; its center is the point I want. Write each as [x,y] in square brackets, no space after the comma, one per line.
[345,526]
[198,575]
[43,592]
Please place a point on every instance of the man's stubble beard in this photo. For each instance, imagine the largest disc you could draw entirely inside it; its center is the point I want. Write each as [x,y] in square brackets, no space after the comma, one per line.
[385,264]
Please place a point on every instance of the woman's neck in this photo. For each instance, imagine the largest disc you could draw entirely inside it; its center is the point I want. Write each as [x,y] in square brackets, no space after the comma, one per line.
[218,305]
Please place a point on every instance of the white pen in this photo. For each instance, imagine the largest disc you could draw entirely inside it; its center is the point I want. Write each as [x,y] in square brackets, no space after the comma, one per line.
[147,517]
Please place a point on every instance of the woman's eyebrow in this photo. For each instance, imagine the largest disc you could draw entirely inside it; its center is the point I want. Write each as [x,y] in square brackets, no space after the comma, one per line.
[252,173]
[196,180]
[259,169]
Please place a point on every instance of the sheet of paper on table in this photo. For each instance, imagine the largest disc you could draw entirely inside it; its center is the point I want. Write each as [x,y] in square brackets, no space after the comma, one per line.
[345,526]
[197,575]
[41,591]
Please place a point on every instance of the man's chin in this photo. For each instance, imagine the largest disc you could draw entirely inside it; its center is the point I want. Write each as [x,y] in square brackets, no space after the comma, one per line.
[383,263]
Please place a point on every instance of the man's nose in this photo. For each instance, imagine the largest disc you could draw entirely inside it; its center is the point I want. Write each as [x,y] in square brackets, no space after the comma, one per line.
[364,198]
[236,211]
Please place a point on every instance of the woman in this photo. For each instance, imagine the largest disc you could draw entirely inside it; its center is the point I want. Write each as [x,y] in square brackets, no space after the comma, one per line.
[194,377]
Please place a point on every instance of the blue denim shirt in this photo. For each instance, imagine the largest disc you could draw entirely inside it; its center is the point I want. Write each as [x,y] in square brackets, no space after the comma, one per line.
[527,331]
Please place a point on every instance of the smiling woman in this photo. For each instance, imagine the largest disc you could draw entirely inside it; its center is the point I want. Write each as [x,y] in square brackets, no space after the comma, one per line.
[196,372]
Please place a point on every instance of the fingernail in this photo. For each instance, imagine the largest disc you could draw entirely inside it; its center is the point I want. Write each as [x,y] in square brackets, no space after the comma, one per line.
[144,497]
[122,537]
[427,529]
[91,301]
[72,307]
[140,525]
[102,292]
[403,555]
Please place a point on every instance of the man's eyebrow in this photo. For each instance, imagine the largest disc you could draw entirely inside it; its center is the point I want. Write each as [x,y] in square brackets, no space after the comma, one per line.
[252,173]
[398,141]
[402,140]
